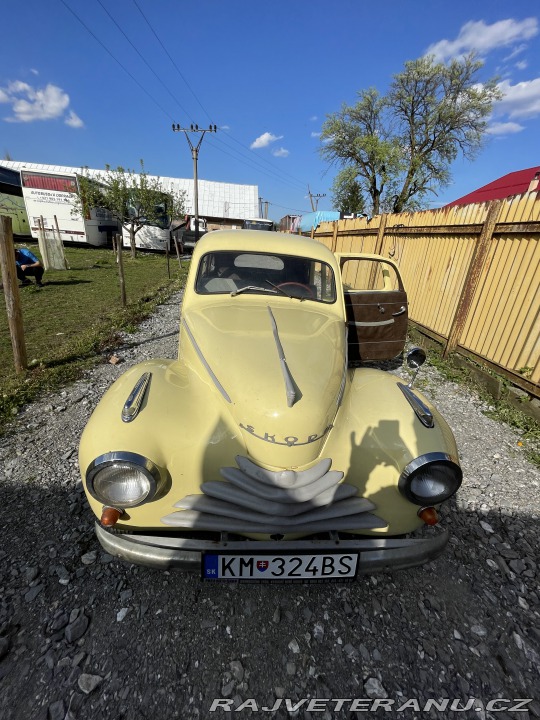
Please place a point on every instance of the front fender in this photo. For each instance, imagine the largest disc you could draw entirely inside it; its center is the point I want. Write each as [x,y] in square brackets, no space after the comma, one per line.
[181,427]
[376,434]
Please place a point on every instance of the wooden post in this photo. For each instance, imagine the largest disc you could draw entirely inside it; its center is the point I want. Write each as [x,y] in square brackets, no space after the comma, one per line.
[12,295]
[335,236]
[168,262]
[43,244]
[377,251]
[380,234]
[60,241]
[178,252]
[473,277]
[121,270]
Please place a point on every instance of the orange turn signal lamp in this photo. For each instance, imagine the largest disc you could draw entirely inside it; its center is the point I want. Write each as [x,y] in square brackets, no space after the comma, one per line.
[429,515]
[110,516]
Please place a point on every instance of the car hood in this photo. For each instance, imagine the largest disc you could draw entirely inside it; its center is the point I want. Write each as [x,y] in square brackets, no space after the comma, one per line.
[280,369]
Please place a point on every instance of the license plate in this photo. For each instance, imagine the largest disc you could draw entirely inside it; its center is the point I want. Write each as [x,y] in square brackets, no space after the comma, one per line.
[285,568]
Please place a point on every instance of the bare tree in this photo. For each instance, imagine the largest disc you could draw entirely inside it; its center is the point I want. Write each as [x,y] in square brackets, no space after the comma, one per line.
[400,146]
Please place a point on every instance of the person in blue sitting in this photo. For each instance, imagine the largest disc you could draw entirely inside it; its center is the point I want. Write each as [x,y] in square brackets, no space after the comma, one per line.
[28,266]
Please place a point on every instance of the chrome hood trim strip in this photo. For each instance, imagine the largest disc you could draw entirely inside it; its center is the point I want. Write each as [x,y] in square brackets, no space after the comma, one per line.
[290,385]
[421,410]
[133,404]
[205,363]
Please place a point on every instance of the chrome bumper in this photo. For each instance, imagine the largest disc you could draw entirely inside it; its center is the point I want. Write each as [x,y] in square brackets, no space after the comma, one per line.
[169,553]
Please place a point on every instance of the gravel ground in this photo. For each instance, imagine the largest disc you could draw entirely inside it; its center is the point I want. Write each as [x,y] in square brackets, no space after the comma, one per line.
[85,636]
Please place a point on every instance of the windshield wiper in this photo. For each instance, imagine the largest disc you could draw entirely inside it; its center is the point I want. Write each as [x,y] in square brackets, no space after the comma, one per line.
[278,288]
[250,287]
[296,297]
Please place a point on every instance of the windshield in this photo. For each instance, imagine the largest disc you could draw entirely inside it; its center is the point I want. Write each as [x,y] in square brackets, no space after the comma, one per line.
[258,225]
[238,273]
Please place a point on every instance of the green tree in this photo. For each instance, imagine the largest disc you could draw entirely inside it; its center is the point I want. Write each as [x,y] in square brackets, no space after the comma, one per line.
[347,194]
[134,199]
[401,145]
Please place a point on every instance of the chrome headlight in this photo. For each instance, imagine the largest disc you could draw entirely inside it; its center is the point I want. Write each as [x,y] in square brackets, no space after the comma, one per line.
[123,480]
[430,479]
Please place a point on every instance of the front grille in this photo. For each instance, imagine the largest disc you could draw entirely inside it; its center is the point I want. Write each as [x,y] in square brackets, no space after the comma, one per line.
[252,499]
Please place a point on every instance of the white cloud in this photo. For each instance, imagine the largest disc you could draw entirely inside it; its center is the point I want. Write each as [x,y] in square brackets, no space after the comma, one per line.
[315,134]
[282,152]
[45,104]
[313,118]
[73,120]
[504,128]
[515,52]
[29,104]
[522,65]
[519,101]
[476,36]
[19,87]
[264,140]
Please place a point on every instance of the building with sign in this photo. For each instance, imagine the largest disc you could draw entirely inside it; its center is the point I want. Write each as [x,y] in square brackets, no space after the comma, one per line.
[47,191]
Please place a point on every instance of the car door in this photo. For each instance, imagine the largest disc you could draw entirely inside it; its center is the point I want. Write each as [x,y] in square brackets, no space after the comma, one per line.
[375,305]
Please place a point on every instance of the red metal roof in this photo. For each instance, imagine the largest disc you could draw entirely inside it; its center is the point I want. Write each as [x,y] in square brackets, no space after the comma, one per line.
[515,183]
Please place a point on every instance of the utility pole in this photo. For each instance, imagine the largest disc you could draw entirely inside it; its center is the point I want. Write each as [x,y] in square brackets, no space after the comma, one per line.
[195,156]
[263,208]
[315,205]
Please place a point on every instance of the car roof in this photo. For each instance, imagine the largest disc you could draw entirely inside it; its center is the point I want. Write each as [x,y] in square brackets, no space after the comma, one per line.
[263,241]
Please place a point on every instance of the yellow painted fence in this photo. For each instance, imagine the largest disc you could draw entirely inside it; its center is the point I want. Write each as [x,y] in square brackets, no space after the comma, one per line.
[472,274]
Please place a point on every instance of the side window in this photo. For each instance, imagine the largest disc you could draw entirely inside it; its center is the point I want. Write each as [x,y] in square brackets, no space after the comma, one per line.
[207,269]
[322,280]
[362,274]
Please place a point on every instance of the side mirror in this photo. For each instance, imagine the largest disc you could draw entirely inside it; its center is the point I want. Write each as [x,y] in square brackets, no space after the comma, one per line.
[415,359]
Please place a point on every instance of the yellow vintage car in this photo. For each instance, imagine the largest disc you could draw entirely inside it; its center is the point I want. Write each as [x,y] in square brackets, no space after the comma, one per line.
[269,451]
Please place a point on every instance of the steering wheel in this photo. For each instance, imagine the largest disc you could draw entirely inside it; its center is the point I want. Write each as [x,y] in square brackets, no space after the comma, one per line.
[298,284]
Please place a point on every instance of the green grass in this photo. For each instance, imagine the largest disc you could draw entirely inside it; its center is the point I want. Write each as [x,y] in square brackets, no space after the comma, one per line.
[76,316]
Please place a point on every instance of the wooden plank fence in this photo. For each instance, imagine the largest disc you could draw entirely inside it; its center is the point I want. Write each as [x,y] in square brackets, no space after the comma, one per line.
[472,274]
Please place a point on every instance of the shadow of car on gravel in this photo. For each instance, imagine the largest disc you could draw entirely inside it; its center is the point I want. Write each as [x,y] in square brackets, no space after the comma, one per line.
[462,626]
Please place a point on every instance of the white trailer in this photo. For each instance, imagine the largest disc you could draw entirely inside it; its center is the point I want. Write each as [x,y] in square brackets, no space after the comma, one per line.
[49,199]
[149,237]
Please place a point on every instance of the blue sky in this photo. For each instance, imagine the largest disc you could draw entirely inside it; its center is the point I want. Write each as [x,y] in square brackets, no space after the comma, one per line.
[266,74]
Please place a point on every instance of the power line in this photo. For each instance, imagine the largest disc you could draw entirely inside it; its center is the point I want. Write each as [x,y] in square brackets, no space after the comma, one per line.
[172,61]
[143,59]
[300,182]
[255,162]
[294,210]
[116,60]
